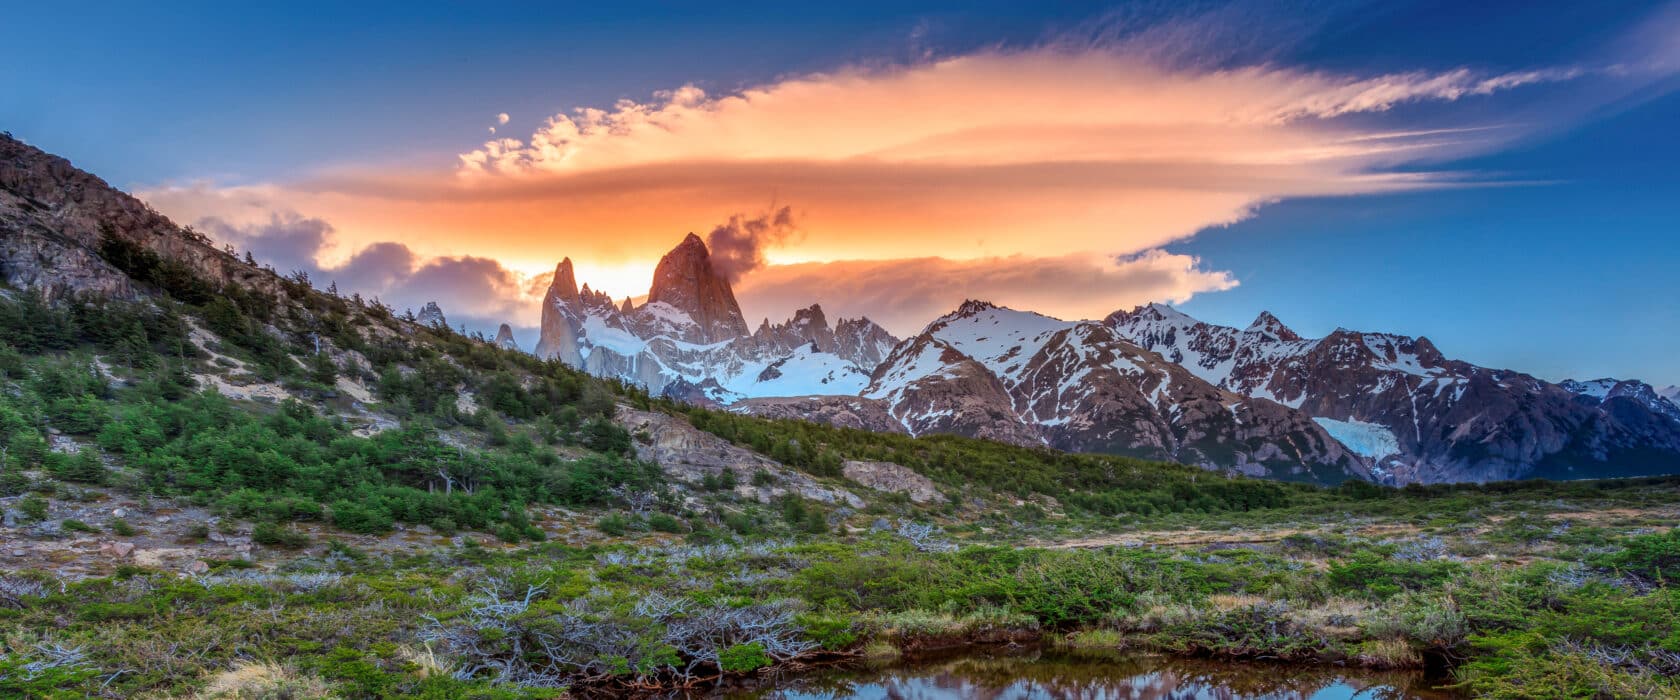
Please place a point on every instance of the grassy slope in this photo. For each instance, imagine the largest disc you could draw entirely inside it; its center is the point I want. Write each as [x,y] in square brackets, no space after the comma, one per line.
[1532,589]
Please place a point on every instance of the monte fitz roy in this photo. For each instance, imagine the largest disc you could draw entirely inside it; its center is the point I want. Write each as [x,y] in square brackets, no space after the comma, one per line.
[1149,382]
[1146,382]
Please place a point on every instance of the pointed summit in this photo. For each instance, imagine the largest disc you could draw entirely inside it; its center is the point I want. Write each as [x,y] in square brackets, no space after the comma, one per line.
[1268,325]
[685,280]
[564,285]
[431,315]
[504,338]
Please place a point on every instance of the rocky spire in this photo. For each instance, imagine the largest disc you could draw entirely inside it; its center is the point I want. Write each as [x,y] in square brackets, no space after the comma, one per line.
[685,280]
[562,311]
[504,338]
[565,284]
[431,315]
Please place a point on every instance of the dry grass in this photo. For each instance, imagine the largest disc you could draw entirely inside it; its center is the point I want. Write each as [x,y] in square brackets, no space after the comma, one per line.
[262,680]
[1389,653]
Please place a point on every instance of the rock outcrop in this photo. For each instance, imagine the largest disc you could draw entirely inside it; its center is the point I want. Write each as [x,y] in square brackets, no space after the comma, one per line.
[689,454]
[504,338]
[56,219]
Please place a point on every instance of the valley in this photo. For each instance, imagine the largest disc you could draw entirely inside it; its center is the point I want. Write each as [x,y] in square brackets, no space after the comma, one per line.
[219,481]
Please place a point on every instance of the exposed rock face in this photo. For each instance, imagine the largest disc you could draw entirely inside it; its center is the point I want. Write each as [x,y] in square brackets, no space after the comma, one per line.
[53,217]
[561,318]
[690,454]
[1418,415]
[689,340]
[986,371]
[892,478]
[685,280]
[431,315]
[504,338]
[839,411]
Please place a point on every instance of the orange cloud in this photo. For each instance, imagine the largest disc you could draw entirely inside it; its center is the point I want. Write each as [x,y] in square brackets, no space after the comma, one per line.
[1051,159]
[903,295]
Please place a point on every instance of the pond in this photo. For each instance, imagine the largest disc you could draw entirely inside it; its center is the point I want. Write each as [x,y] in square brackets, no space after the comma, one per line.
[1024,674]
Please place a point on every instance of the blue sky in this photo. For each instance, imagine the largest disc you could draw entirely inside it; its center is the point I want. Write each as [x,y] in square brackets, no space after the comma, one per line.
[1558,257]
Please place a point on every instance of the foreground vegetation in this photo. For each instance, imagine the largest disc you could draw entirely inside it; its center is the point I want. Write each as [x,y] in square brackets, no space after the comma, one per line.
[1523,590]
[472,622]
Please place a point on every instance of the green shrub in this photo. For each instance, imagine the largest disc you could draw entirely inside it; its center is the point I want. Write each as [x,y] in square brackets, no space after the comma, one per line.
[1655,557]
[1376,576]
[664,523]
[275,535]
[742,658]
[86,467]
[614,524]
[352,516]
[73,525]
[121,527]
[33,507]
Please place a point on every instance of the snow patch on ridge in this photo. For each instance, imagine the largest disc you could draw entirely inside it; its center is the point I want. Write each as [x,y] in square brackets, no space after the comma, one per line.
[1364,439]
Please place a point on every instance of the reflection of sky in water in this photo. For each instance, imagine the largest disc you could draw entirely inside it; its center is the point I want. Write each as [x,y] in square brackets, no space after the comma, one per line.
[1145,687]
[1052,678]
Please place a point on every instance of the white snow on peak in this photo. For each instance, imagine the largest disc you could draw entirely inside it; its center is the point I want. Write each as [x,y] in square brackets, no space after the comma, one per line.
[806,372]
[597,333]
[1392,357]
[1365,439]
[1001,339]
[1170,314]
[925,363]
[1596,388]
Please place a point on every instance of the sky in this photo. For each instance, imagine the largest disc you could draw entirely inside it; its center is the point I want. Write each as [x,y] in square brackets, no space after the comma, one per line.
[1496,176]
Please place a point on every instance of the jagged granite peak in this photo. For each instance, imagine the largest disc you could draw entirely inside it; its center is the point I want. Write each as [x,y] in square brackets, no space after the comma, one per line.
[689,339]
[686,281]
[862,341]
[504,338]
[808,326]
[431,315]
[564,286]
[1268,325]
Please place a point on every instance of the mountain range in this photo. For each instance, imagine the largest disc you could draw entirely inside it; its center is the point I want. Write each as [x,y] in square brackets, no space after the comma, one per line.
[1149,382]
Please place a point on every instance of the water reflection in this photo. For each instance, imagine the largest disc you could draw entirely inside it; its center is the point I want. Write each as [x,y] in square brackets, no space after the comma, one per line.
[1032,675]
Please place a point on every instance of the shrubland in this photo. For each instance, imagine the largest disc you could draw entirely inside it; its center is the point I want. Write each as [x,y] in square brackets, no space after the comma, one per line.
[562,561]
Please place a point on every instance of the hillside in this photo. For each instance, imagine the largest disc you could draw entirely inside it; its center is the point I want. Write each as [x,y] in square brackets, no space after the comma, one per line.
[218,481]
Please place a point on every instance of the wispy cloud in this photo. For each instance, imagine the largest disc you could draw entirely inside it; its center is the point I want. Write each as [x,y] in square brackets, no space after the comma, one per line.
[903,295]
[1063,158]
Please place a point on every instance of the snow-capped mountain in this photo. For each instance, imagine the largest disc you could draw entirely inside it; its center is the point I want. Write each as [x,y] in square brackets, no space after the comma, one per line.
[995,372]
[1149,382]
[1672,393]
[1418,415]
[431,315]
[1596,392]
[690,339]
